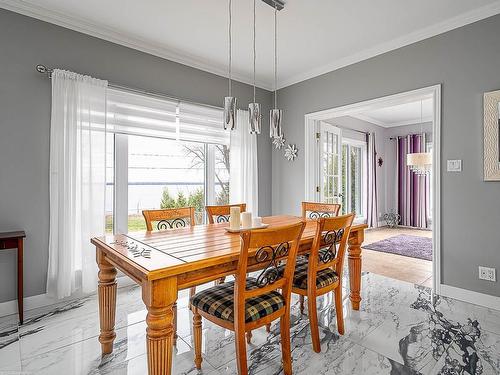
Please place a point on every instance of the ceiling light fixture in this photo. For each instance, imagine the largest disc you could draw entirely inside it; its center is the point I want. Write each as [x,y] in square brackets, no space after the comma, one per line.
[254,115]
[275,115]
[230,101]
[420,162]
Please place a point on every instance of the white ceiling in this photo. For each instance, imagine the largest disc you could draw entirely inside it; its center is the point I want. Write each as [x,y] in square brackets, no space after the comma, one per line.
[315,37]
[399,115]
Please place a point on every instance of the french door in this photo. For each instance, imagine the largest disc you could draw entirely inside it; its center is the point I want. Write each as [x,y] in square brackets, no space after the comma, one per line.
[330,150]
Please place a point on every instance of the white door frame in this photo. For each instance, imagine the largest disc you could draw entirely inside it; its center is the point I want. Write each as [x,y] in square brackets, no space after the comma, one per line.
[311,173]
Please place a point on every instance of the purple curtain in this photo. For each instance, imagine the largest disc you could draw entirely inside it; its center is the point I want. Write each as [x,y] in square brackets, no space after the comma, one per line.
[372,214]
[412,192]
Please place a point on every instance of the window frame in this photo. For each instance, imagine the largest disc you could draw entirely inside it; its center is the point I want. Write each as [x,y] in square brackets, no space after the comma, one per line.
[120,163]
[350,142]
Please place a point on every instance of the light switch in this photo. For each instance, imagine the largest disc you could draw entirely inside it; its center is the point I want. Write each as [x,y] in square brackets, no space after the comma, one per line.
[454,166]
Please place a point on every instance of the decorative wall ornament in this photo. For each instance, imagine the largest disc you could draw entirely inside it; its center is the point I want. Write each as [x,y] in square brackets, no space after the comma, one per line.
[279,142]
[291,152]
[491,136]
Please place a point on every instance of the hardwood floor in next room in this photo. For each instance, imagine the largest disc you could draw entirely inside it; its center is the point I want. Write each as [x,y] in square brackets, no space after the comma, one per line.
[412,270]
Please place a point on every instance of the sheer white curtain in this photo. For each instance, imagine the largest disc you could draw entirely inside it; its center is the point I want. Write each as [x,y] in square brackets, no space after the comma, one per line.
[77,181]
[372,214]
[244,184]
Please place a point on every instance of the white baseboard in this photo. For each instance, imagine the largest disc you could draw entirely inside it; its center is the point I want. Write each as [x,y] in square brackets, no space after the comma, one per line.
[42,300]
[475,298]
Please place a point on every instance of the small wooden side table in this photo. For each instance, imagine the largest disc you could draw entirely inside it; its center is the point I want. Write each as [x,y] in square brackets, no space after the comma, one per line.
[13,240]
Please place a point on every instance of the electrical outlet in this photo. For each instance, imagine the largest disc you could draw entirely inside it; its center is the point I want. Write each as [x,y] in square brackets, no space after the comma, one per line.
[487,273]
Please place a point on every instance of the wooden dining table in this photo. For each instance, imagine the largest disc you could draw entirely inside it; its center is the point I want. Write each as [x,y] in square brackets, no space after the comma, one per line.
[164,262]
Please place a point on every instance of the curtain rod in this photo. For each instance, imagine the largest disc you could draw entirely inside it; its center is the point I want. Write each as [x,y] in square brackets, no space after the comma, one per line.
[40,68]
[353,130]
[404,136]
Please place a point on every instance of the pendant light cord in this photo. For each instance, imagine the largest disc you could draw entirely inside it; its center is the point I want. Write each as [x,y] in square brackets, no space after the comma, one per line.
[421,119]
[275,56]
[230,43]
[254,49]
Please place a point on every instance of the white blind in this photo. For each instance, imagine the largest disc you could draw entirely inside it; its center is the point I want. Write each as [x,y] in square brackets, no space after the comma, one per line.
[140,114]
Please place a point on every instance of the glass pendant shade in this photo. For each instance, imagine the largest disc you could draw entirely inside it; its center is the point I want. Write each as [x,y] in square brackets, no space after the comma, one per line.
[275,117]
[254,118]
[229,113]
[419,162]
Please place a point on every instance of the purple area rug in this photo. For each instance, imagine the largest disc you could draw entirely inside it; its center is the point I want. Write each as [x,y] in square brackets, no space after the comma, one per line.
[406,245]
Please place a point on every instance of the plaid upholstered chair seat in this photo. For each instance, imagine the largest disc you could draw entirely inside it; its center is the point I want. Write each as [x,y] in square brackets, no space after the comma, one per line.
[219,302]
[323,277]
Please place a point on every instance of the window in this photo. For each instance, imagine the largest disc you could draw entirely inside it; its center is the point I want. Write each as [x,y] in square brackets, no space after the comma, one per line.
[167,154]
[354,177]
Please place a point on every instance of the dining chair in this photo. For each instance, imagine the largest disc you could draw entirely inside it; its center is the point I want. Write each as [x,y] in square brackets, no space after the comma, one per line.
[171,218]
[220,214]
[321,271]
[316,210]
[249,303]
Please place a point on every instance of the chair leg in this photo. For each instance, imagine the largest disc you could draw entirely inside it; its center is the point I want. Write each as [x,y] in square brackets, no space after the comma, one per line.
[192,292]
[339,311]
[313,323]
[249,337]
[174,310]
[301,301]
[285,344]
[268,328]
[220,281]
[197,333]
[241,351]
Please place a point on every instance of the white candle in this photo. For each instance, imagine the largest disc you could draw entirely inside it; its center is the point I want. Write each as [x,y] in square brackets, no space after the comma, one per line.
[246,220]
[234,218]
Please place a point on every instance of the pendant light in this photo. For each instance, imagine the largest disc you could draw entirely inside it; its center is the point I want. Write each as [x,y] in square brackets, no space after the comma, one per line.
[254,108]
[420,162]
[230,101]
[275,115]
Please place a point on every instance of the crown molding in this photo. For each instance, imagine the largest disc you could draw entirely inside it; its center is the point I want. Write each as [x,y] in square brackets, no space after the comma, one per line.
[115,36]
[112,35]
[417,36]
[414,121]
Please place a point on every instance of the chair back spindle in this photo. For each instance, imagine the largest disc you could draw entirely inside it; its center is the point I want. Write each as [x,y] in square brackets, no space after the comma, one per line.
[329,245]
[266,250]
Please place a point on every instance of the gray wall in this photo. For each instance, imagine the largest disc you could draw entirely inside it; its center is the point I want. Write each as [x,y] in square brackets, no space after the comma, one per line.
[25,121]
[466,62]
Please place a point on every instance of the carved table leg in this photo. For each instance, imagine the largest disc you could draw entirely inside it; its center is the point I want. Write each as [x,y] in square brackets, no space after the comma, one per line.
[107,302]
[159,297]
[355,241]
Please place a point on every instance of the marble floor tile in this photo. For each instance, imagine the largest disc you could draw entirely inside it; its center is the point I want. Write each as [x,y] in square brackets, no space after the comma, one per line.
[358,360]
[401,328]
[472,351]
[10,349]
[408,338]
[128,357]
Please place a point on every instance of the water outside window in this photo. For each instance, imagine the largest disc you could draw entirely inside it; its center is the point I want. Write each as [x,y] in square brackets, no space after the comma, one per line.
[166,173]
